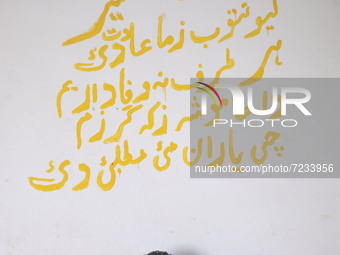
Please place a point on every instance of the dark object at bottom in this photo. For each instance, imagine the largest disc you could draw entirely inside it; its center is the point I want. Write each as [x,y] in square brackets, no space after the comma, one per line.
[158,253]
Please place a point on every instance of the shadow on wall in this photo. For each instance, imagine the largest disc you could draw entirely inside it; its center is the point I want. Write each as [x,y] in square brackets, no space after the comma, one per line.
[177,252]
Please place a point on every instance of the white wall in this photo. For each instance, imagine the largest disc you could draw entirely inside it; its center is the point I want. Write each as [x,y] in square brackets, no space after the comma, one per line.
[148,210]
